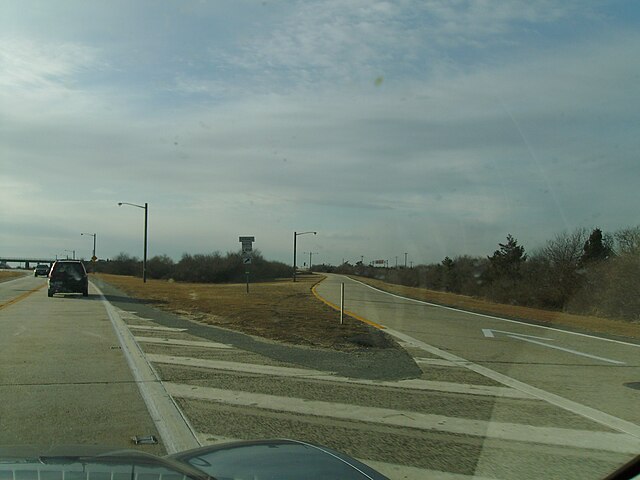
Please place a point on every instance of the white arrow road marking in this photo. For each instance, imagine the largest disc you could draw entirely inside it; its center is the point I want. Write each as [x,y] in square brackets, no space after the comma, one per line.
[492,317]
[489,333]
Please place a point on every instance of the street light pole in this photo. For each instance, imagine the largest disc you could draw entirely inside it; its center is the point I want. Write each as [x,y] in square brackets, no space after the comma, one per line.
[295,237]
[146,216]
[144,260]
[405,259]
[94,244]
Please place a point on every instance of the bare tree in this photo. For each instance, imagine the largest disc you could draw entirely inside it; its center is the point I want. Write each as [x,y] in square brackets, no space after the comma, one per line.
[628,240]
[563,255]
[566,248]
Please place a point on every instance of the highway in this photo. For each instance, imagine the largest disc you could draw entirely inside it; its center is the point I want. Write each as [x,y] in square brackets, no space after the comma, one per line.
[593,371]
[90,370]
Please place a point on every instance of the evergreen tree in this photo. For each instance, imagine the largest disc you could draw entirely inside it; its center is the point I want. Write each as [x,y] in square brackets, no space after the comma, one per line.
[506,261]
[596,248]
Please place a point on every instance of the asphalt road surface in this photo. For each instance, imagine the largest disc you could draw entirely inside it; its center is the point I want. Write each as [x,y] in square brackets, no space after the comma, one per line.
[483,403]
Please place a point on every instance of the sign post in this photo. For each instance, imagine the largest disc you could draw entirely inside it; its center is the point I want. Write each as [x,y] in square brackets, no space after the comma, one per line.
[342,304]
[247,248]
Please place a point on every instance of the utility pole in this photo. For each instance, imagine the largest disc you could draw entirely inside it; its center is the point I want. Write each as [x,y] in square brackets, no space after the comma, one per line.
[405,259]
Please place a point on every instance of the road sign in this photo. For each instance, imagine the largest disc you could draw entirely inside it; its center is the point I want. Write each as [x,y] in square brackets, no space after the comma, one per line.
[246,253]
[94,258]
[246,243]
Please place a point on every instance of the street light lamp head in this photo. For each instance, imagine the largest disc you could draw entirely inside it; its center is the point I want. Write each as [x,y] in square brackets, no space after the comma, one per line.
[119,204]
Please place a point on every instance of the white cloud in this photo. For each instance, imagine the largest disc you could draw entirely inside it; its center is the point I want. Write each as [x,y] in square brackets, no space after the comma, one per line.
[26,65]
[473,155]
[353,43]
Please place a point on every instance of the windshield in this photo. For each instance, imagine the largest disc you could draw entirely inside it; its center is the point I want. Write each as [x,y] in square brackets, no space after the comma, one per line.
[405,231]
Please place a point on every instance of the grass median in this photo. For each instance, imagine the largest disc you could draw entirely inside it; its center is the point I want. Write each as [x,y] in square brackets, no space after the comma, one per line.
[281,310]
[8,275]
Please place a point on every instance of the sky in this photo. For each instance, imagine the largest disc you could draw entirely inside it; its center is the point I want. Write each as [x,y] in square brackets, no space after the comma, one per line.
[429,127]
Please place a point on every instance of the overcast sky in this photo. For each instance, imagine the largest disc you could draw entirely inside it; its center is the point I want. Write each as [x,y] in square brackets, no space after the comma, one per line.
[430,127]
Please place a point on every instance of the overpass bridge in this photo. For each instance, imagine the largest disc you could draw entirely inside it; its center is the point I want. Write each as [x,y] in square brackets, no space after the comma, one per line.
[27,260]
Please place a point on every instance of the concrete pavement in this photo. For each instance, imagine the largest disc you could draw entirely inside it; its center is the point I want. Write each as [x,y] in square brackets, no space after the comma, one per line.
[63,378]
[583,368]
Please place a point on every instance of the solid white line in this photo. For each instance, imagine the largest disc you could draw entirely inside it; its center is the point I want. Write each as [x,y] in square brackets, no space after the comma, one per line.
[436,362]
[568,350]
[489,333]
[615,442]
[491,316]
[183,343]
[234,366]
[159,329]
[577,408]
[412,384]
[173,427]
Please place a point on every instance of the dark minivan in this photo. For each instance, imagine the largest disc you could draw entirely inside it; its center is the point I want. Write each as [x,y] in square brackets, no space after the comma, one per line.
[68,276]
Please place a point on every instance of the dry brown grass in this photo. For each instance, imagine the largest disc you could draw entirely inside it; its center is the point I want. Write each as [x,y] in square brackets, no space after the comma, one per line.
[623,328]
[8,275]
[280,310]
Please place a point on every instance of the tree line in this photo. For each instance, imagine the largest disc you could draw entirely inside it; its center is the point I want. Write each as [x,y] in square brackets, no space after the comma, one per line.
[202,268]
[585,272]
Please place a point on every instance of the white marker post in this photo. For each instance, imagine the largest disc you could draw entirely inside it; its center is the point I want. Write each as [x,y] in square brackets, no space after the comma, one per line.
[342,304]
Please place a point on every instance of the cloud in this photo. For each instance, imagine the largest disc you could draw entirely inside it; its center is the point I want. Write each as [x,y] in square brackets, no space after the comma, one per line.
[283,136]
[357,42]
[34,69]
